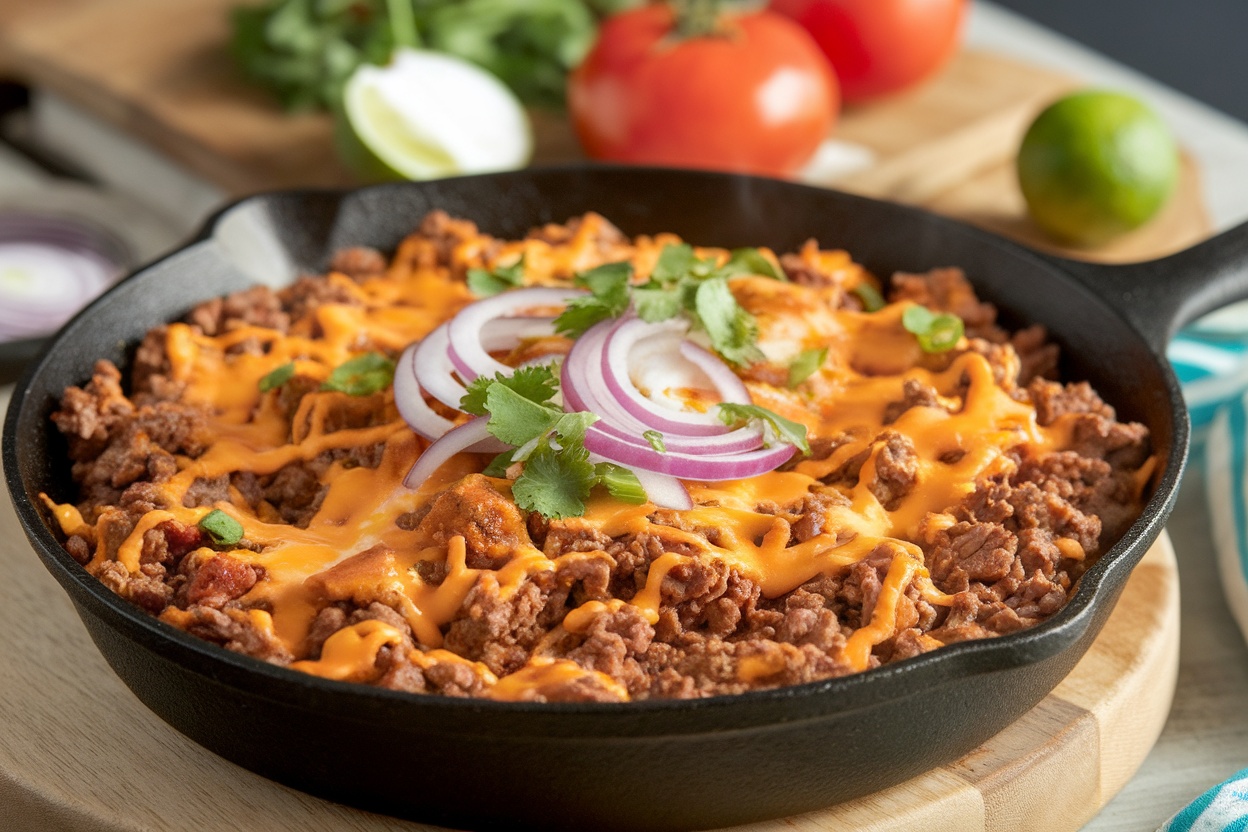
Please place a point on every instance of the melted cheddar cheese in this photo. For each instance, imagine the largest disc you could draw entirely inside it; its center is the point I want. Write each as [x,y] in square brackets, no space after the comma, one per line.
[357,550]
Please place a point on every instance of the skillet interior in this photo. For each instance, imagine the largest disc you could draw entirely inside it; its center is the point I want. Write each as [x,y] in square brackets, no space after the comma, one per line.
[642,765]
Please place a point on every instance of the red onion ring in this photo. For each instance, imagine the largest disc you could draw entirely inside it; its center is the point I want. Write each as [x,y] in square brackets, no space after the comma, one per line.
[433,368]
[585,389]
[686,466]
[410,399]
[470,436]
[468,355]
[615,371]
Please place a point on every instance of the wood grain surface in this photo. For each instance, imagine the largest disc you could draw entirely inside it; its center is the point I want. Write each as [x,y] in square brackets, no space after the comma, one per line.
[78,751]
[160,72]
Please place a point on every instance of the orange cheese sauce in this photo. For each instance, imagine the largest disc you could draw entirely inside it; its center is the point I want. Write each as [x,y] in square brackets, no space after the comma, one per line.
[977,432]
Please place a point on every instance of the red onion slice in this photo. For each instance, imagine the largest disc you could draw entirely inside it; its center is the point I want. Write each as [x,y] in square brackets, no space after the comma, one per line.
[434,371]
[616,361]
[467,353]
[410,399]
[584,388]
[664,491]
[686,466]
[470,436]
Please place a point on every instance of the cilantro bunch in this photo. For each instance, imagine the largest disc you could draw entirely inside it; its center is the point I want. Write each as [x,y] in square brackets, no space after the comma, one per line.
[304,50]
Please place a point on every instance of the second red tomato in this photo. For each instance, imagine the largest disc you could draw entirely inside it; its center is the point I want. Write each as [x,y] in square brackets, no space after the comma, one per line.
[755,95]
[878,47]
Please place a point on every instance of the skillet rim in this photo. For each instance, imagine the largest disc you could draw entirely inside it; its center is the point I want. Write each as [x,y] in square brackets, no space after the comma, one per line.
[862,690]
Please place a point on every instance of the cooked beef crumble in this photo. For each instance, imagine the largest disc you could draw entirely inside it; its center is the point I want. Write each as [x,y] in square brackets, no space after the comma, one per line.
[1005,555]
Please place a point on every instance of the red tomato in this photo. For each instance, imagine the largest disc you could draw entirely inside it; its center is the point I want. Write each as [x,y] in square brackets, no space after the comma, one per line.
[880,46]
[755,96]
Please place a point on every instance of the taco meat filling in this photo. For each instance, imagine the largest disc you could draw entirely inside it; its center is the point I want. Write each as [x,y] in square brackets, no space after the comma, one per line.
[244,481]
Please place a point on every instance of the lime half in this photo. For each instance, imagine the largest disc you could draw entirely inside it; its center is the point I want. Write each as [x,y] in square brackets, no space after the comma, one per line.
[1095,165]
[428,115]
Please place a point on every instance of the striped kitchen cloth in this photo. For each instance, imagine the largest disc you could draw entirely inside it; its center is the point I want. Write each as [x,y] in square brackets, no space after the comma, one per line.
[1224,808]
[1211,360]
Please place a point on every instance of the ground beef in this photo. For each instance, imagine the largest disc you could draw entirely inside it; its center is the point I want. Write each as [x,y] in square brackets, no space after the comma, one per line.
[1006,555]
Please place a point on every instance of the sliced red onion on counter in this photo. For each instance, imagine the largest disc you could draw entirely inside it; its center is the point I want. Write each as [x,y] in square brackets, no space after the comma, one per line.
[50,267]
[467,350]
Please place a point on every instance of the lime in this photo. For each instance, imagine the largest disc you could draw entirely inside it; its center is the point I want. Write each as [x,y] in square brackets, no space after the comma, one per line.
[428,115]
[1095,165]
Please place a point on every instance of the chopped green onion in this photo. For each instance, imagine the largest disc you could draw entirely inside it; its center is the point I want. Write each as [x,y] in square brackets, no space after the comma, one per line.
[223,529]
[872,300]
[656,440]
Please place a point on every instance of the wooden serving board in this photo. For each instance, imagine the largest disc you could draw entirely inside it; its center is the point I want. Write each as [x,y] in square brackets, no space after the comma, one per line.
[159,72]
[79,751]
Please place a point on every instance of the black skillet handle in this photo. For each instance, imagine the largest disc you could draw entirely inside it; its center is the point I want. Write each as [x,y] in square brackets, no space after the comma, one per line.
[1159,297]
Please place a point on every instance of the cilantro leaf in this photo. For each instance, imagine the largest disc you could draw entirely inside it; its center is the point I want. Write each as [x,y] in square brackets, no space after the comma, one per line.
[656,440]
[732,330]
[776,428]
[484,284]
[935,332]
[872,300]
[498,465]
[363,375]
[277,377]
[608,298]
[555,484]
[515,419]
[806,365]
[221,528]
[657,303]
[621,483]
[537,384]
[570,427]
[749,261]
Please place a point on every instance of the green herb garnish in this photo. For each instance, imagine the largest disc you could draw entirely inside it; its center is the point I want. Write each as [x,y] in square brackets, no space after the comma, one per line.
[221,528]
[872,300]
[776,428]
[537,384]
[363,375]
[656,440]
[806,365]
[608,298]
[485,284]
[557,476]
[935,332]
[305,50]
[278,377]
[750,261]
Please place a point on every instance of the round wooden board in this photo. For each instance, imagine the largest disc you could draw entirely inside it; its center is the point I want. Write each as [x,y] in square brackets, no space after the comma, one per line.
[79,752]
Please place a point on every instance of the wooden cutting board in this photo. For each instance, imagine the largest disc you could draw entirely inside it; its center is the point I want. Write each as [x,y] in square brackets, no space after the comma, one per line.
[79,751]
[158,71]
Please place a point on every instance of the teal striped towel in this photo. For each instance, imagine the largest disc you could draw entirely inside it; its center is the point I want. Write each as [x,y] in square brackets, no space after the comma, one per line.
[1211,360]
[1224,808]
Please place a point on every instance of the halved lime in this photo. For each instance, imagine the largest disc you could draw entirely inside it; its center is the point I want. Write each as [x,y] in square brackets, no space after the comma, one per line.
[1096,164]
[428,115]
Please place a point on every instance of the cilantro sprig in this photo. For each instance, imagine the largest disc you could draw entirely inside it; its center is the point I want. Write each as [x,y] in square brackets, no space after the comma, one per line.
[681,283]
[557,477]
[935,332]
[488,283]
[221,528]
[776,428]
[363,375]
[278,377]
[806,364]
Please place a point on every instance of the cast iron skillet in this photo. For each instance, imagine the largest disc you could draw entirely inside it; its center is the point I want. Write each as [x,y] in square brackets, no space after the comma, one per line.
[644,765]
